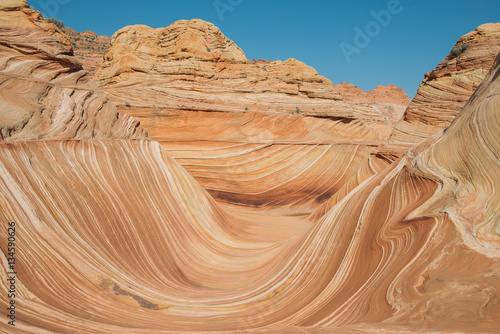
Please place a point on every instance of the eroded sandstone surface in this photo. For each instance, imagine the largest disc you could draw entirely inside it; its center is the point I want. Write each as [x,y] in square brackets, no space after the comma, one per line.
[88,47]
[114,236]
[45,93]
[236,125]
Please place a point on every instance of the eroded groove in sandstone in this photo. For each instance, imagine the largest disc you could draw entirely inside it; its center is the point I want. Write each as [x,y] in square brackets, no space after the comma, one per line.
[115,236]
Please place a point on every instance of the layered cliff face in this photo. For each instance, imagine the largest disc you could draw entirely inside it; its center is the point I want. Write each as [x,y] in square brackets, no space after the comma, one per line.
[45,93]
[114,236]
[192,66]
[445,90]
[255,133]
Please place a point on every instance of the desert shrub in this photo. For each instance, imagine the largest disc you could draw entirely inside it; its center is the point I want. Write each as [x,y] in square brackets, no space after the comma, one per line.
[58,23]
[459,49]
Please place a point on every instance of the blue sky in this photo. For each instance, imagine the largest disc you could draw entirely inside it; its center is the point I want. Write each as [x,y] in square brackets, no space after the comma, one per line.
[409,38]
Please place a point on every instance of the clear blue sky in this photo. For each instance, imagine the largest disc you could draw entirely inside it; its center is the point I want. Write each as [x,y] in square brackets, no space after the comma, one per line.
[419,34]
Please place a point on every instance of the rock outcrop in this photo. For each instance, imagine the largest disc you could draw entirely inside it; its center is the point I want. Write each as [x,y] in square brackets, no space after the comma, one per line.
[445,90]
[197,68]
[389,101]
[389,94]
[89,48]
[45,93]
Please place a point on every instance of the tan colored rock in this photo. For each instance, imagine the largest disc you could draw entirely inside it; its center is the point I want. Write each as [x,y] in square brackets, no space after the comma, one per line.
[439,99]
[385,103]
[445,90]
[13,5]
[381,94]
[196,93]
[113,236]
[146,250]
[464,161]
[45,93]
[198,68]
[89,48]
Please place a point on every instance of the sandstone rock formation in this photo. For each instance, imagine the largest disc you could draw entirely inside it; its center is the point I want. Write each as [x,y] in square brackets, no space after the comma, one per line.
[441,96]
[89,48]
[465,162]
[389,94]
[45,93]
[114,236]
[390,101]
[445,90]
[196,68]
[239,125]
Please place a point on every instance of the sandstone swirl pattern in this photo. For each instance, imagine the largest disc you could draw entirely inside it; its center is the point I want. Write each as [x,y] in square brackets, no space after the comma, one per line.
[238,125]
[116,237]
[45,94]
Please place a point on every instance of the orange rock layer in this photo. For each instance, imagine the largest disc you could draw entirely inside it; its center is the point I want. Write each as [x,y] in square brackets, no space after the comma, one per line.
[114,236]
[389,94]
[242,122]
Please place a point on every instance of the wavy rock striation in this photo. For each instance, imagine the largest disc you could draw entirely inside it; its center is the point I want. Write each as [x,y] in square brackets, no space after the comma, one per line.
[237,125]
[114,236]
[397,253]
[461,283]
[45,93]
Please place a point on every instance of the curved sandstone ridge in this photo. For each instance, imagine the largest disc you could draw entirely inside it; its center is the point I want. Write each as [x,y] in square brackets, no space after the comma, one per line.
[45,94]
[120,238]
[189,85]
[445,90]
[465,162]
[114,236]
